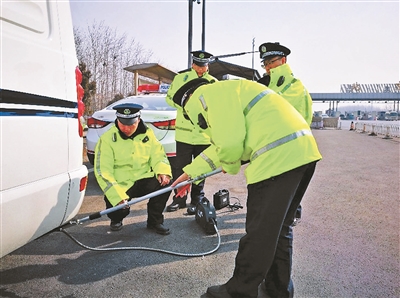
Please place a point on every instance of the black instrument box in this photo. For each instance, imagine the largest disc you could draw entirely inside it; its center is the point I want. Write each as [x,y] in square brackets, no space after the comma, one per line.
[221,199]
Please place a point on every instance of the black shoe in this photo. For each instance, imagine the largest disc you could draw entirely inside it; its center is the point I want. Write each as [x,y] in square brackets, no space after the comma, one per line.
[218,292]
[116,225]
[296,221]
[175,205]
[159,228]
[191,210]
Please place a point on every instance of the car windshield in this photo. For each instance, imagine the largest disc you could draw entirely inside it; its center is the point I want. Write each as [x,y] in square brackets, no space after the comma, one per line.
[156,103]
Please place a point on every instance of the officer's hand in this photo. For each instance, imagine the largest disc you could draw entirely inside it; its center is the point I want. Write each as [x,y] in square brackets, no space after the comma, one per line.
[163,179]
[123,202]
[184,190]
[181,178]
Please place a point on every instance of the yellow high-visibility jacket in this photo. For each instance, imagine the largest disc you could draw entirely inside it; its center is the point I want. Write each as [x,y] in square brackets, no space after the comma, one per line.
[248,121]
[292,90]
[120,162]
[185,131]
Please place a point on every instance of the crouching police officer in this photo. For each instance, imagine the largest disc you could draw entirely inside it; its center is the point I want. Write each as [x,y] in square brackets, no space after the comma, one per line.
[249,122]
[130,162]
[190,140]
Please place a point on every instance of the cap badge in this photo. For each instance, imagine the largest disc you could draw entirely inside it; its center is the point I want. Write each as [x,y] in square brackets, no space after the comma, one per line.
[127,111]
[201,55]
[263,49]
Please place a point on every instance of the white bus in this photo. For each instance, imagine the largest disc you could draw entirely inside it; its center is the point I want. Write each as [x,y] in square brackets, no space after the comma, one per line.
[42,178]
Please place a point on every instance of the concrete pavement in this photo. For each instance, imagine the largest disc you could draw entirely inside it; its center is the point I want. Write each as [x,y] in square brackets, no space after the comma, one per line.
[347,244]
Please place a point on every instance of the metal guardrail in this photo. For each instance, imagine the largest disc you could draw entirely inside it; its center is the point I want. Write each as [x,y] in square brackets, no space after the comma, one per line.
[387,130]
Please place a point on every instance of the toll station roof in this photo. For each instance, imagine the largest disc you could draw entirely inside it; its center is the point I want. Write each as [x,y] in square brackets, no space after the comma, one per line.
[218,69]
[153,71]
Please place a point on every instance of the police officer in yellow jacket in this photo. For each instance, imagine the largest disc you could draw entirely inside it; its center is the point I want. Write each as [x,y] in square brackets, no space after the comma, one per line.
[130,162]
[190,140]
[247,121]
[279,77]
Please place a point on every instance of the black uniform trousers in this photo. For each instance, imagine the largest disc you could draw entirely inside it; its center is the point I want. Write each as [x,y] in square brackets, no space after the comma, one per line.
[265,252]
[185,153]
[155,205]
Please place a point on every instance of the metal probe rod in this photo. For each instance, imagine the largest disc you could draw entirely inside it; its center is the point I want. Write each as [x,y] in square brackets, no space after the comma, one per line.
[148,196]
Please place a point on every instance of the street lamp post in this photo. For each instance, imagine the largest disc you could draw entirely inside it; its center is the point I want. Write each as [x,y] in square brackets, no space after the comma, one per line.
[203,26]
[190,34]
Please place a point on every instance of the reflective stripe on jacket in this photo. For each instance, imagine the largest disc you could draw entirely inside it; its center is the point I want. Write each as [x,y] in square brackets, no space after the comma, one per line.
[248,121]
[119,163]
[292,90]
[185,131]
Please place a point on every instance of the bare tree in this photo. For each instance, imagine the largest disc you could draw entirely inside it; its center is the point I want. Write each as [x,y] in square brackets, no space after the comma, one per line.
[90,88]
[106,53]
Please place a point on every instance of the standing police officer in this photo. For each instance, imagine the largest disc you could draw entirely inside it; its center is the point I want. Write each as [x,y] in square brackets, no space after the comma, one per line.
[249,122]
[279,77]
[130,162]
[190,140]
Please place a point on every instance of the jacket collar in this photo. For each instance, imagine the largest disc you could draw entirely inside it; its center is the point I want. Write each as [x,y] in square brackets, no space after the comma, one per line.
[276,73]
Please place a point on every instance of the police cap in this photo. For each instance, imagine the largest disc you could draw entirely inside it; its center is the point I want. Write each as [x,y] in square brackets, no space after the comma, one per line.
[128,113]
[271,49]
[201,58]
[182,94]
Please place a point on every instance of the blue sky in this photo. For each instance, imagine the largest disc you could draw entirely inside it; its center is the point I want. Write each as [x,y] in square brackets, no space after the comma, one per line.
[332,42]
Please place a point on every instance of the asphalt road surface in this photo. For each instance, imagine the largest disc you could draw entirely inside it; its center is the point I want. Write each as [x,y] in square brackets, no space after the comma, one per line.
[347,244]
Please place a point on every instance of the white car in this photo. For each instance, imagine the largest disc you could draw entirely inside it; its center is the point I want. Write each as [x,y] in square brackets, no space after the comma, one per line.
[156,113]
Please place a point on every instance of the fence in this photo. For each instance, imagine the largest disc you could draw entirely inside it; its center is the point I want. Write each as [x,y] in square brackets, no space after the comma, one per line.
[391,129]
[387,130]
